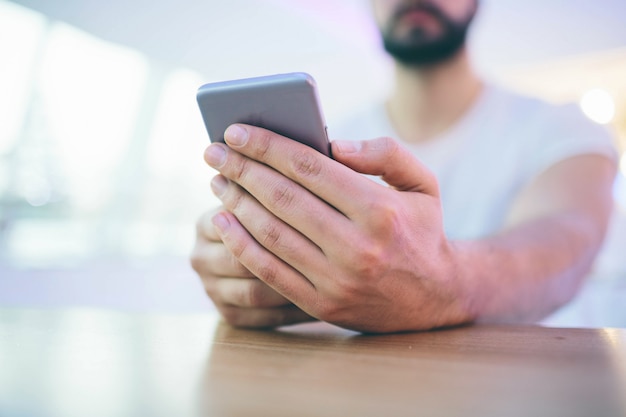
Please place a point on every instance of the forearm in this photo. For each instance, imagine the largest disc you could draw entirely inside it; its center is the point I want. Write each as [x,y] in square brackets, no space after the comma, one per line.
[527,272]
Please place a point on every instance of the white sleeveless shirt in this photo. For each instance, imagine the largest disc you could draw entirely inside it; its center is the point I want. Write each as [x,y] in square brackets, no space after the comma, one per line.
[500,145]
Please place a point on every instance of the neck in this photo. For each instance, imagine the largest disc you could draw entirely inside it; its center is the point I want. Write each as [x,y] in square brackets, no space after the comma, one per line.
[427,101]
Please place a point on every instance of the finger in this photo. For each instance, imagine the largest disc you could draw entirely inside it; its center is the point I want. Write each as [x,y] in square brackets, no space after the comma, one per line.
[204,226]
[340,186]
[280,276]
[211,259]
[386,158]
[272,233]
[286,199]
[260,318]
[249,293]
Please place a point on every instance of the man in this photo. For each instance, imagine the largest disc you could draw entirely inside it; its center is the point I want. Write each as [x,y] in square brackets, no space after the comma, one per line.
[525,198]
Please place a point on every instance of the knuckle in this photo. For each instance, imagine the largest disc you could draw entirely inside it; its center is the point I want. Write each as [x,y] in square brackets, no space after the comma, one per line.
[236,202]
[240,169]
[369,261]
[384,214]
[256,295]
[238,295]
[263,143]
[388,145]
[331,311]
[306,164]
[237,247]
[246,293]
[268,274]
[270,236]
[346,292]
[385,208]
[283,195]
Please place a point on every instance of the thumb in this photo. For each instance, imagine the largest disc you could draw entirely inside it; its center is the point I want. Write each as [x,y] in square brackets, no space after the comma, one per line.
[386,158]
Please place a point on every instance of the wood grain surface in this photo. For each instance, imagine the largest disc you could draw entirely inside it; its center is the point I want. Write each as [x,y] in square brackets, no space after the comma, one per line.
[99,363]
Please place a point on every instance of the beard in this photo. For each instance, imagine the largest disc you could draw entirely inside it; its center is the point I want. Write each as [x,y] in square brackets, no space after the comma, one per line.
[418,48]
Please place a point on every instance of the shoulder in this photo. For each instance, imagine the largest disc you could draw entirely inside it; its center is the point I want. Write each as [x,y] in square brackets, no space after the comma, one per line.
[535,112]
[561,130]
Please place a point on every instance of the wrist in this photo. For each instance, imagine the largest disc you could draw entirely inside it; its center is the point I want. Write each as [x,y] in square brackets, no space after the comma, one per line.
[459,272]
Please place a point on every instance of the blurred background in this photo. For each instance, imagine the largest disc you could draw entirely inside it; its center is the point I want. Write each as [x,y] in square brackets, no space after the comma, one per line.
[101,142]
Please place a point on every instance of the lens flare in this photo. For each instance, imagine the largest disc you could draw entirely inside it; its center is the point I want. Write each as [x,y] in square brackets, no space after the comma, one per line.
[598,105]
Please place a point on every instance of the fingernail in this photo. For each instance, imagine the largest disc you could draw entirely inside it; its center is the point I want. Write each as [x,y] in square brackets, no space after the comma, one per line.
[236,135]
[219,185]
[347,146]
[215,155]
[220,221]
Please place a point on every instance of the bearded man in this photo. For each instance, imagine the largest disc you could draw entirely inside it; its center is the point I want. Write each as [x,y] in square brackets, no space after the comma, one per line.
[486,206]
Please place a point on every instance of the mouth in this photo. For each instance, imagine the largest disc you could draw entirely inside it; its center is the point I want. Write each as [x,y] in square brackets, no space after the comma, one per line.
[416,16]
[417,13]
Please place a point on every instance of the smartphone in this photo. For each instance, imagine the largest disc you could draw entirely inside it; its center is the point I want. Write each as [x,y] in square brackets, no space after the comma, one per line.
[287,104]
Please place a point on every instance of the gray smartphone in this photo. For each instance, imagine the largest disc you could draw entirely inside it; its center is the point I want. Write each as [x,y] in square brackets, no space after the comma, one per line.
[287,104]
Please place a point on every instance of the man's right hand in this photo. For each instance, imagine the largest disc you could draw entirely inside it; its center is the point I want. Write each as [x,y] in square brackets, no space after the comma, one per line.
[241,298]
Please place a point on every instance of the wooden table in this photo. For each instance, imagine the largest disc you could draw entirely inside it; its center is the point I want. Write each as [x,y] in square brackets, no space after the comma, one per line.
[95,363]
